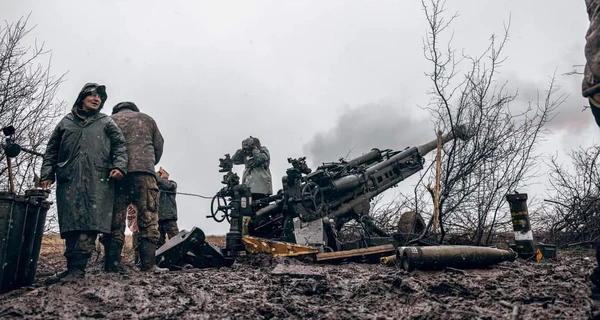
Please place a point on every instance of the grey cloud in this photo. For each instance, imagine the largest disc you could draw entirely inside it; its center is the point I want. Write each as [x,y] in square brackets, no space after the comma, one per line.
[375,125]
[570,116]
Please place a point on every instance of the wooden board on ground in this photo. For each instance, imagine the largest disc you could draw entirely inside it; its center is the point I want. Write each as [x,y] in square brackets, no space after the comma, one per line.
[386,249]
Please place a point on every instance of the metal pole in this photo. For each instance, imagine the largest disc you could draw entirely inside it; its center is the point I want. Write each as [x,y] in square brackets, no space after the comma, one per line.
[436,200]
[10,175]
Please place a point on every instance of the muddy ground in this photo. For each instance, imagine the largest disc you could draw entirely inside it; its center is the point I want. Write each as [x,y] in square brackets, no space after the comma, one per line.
[250,290]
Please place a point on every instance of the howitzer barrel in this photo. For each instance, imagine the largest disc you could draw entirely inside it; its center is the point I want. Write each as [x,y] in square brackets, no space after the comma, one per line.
[352,181]
[374,154]
[462,257]
[422,149]
[432,145]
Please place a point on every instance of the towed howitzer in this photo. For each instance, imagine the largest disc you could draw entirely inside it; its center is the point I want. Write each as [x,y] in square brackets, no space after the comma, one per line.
[313,206]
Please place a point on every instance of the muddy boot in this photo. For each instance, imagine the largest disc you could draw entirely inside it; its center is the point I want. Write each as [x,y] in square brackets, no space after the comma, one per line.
[112,257]
[59,276]
[147,251]
[75,270]
[79,266]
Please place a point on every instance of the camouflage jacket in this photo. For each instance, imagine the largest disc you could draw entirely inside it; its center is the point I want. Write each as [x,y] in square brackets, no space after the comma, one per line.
[144,140]
[257,174]
[167,208]
[591,78]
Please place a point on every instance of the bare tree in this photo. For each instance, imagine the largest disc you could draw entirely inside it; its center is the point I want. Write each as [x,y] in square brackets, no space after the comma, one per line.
[27,100]
[500,156]
[572,213]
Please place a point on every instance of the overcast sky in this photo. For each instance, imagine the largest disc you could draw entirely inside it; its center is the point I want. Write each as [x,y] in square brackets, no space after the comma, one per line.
[314,78]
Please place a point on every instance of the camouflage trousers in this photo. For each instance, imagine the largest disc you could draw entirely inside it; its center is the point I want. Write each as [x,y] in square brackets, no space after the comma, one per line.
[79,243]
[165,228]
[141,190]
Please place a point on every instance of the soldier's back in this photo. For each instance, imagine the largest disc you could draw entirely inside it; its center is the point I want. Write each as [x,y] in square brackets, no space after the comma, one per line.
[140,133]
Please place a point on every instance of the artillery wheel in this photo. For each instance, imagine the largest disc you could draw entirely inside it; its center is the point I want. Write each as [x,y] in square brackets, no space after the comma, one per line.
[219,206]
[312,199]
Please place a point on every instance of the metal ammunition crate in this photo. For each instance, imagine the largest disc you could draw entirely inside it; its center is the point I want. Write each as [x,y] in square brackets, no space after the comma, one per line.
[22,223]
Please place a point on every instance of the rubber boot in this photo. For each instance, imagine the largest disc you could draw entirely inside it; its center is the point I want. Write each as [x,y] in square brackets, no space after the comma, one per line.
[112,256]
[76,265]
[147,251]
[79,266]
[57,277]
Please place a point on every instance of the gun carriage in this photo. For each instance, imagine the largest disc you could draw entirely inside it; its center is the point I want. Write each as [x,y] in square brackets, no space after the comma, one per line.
[313,206]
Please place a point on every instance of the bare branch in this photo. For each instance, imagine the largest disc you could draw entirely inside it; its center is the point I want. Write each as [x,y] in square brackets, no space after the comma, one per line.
[501,155]
[27,99]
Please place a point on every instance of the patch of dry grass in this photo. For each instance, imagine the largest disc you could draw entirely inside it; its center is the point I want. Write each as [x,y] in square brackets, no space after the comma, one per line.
[218,241]
[52,243]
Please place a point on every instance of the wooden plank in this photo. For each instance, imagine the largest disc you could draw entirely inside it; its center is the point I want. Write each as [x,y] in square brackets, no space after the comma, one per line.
[355,252]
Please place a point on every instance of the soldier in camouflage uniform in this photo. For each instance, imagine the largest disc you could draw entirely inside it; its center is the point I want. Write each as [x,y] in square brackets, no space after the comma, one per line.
[590,87]
[257,175]
[167,210]
[85,155]
[591,80]
[144,149]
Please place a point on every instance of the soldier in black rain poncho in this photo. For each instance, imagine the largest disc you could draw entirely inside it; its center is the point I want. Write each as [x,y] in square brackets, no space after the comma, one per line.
[86,153]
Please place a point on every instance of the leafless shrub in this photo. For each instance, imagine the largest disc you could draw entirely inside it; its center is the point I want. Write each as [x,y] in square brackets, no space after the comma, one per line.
[572,213]
[500,156]
[27,102]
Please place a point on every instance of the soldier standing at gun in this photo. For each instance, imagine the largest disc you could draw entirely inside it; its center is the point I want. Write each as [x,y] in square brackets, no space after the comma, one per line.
[167,210]
[144,149]
[257,175]
[84,155]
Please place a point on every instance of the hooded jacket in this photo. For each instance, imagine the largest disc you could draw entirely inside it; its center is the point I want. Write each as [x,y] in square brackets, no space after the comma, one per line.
[79,156]
[143,138]
[257,160]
